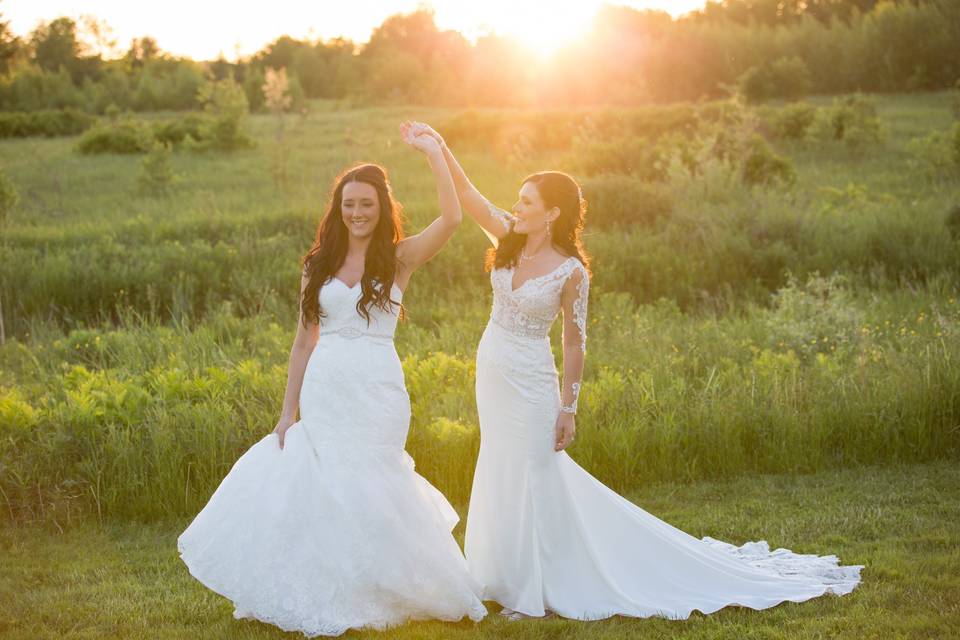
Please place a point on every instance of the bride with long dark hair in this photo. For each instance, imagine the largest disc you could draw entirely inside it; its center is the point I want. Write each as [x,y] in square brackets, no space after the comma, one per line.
[323,525]
[543,535]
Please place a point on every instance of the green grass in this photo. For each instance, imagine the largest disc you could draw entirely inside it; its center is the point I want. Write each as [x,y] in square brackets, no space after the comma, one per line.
[150,336]
[125,580]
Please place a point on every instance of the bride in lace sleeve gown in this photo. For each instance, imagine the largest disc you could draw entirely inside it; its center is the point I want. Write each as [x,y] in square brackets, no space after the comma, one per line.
[543,535]
[323,525]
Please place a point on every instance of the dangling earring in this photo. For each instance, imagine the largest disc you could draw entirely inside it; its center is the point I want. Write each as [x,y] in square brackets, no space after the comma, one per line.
[548,228]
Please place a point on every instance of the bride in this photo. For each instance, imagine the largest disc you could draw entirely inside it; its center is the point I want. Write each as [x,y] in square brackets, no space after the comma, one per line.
[323,525]
[543,535]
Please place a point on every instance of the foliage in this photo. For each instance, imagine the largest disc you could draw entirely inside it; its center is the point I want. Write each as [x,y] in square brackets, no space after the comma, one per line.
[9,197]
[156,175]
[226,104]
[47,123]
[786,77]
[125,135]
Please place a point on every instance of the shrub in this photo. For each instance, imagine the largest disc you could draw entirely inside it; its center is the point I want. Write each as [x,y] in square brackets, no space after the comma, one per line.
[762,166]
[852,119]
[623,200]
[786,77]
[226,104]
[938,153]
[123,136]
[792,121]
[47,123]
[156,175]
[174,131]
[811,317]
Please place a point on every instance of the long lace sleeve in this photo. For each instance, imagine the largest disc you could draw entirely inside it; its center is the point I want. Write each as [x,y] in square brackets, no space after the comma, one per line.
[578,310]
[506,218]
[580,306]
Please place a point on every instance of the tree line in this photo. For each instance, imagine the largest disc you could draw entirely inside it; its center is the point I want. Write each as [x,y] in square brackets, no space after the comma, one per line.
[768,48]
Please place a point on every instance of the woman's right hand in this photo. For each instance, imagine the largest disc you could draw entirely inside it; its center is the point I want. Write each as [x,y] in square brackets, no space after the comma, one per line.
[281,429]
[423,127]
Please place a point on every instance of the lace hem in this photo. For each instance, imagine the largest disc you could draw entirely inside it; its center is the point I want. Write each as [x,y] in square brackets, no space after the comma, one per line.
[824,570]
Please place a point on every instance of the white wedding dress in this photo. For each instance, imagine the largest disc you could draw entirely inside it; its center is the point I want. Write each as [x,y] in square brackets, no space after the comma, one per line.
[544,535]
[336,530]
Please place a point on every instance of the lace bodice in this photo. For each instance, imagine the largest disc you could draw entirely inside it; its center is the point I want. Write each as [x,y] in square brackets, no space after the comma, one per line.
[339,304]
[531,310]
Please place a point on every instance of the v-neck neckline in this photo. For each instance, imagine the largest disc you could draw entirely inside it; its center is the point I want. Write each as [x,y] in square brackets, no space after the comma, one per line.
[513,270]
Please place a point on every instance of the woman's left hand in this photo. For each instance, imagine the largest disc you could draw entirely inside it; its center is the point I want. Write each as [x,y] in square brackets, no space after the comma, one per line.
[418,139]
[566,427]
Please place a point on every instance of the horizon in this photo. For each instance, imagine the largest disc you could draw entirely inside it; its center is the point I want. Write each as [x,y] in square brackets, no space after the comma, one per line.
[235,41]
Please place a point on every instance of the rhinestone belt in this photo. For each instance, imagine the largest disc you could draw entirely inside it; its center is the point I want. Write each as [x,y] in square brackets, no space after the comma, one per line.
[353,332]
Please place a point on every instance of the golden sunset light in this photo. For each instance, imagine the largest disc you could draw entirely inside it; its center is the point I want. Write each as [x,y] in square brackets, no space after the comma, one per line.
[205,30]
[432,319]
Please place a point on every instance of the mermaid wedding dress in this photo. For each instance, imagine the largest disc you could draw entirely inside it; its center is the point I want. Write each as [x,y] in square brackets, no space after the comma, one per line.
[544,535]
[336,530]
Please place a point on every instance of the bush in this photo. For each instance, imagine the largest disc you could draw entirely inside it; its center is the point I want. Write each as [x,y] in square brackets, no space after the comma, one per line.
[852,119]
[938,153]
[762,166]
[792,121]
[156,175]
[804,314]
[622,200]
[786,77]
[123,136]
[226,104]
[48,123]
[175,131]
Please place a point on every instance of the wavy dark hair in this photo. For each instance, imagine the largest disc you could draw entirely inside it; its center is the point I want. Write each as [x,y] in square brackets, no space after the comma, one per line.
[329,250]
[557,189]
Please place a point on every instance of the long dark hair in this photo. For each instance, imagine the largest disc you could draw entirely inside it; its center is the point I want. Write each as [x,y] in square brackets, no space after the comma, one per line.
[329,250]
[557,189]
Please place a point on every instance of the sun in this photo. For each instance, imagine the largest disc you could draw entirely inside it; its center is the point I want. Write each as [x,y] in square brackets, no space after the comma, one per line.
[538,27]
[551,32]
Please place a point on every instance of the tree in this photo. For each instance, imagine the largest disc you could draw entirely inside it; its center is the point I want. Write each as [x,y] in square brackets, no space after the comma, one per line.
[10,46]
[55,44]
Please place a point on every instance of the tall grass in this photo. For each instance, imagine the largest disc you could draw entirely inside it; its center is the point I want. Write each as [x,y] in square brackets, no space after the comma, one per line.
[733,328]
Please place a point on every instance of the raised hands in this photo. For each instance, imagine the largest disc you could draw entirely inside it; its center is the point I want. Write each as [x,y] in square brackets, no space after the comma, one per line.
[418,136]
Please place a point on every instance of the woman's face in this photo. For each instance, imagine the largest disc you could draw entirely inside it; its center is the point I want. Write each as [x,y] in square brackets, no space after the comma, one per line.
[531,213]
[360,208]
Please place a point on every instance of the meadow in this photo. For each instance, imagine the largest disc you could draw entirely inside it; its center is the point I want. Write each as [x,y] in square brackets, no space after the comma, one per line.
[778,319]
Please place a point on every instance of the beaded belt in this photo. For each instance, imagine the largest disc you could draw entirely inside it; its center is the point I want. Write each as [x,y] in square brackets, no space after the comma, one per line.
[352,333]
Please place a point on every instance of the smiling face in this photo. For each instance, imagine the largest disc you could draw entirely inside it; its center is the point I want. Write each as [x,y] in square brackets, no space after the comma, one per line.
[531,212]
[360,208]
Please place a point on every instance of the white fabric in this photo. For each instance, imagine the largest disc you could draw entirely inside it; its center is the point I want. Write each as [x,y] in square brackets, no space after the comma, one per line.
[336,530]
[544,535]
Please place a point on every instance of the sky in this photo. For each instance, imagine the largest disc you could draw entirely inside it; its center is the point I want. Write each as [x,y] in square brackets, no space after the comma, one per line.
[204,29]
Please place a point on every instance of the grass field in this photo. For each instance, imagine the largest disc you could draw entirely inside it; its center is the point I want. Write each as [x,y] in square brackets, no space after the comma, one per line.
[775,362]
[126,580]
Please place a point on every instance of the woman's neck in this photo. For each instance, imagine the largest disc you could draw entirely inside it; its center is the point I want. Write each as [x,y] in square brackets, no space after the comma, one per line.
[357,247]
[536,243]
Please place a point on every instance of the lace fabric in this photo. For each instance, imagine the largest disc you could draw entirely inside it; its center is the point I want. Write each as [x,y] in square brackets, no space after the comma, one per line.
[506,218]
[531,309]
[545,535]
